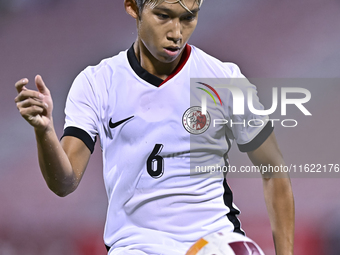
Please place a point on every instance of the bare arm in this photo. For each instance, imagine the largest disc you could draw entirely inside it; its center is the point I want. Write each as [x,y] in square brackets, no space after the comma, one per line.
[62,163]
[278,196]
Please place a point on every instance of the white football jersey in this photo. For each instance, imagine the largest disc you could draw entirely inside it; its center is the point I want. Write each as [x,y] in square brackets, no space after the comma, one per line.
[152,133]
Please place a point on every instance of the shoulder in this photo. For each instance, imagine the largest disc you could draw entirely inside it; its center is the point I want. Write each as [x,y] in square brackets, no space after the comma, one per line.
[107,66]
[94,81]
[98,78]
[214,65]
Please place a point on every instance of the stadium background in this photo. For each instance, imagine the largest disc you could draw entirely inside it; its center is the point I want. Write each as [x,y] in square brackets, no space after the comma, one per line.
[57,39]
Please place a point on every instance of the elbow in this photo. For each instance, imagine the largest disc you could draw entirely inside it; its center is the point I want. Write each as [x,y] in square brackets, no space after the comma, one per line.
[62,185]
[61,193]
[62,190]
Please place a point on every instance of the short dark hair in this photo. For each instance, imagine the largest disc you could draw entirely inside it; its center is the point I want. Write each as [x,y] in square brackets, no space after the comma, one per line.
[142,3]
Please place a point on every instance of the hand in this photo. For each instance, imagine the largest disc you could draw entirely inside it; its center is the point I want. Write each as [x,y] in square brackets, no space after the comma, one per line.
[35,106]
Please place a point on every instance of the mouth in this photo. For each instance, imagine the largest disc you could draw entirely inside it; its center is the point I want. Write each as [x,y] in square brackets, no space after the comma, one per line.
[172,51]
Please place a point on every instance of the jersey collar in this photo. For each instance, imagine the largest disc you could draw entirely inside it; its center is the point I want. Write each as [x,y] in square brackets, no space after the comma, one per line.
[150,78]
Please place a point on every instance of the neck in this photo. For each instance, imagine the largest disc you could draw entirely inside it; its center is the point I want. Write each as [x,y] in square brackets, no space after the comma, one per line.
[151,64]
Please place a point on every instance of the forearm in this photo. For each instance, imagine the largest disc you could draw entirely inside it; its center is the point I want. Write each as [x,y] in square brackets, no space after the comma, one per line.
[278,195]
[280,205]
[62,164]
[54,163]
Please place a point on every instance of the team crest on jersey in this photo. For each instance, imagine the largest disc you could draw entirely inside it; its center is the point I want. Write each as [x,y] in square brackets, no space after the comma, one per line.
[194,121]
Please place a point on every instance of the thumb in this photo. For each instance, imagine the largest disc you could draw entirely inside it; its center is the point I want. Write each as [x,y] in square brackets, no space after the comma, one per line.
[41,85]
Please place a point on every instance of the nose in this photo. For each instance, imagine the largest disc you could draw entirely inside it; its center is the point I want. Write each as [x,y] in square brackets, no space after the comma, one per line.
[175,32]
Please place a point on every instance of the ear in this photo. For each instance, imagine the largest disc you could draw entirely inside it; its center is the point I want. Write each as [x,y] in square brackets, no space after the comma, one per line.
[131,8]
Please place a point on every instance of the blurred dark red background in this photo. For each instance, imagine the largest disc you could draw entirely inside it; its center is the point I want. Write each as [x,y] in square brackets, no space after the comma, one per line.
[267,39]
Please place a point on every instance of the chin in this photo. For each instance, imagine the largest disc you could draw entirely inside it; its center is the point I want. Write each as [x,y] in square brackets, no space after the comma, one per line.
[168,59]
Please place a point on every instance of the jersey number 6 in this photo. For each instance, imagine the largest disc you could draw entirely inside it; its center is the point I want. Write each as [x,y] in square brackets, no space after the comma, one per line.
[155,163]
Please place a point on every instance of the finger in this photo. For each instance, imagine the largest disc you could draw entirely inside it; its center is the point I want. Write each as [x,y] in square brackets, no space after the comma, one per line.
[41,85]
[31,111]
[24,94]
[19,85]
[29,102]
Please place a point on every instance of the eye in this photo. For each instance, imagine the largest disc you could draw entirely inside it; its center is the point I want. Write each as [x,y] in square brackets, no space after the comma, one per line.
[162,16]
[189,17]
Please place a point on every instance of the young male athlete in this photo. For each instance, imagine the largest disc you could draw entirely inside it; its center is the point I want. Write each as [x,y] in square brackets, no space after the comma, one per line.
[138,103]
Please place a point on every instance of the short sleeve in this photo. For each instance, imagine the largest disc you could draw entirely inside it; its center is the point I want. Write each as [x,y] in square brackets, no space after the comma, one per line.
[248,129]
[81,111]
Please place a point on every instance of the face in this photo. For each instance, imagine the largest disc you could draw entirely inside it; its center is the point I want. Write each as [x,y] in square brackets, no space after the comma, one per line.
[165,29]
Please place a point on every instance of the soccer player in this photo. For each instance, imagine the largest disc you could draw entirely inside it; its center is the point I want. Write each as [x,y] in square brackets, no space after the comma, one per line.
[138,104]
